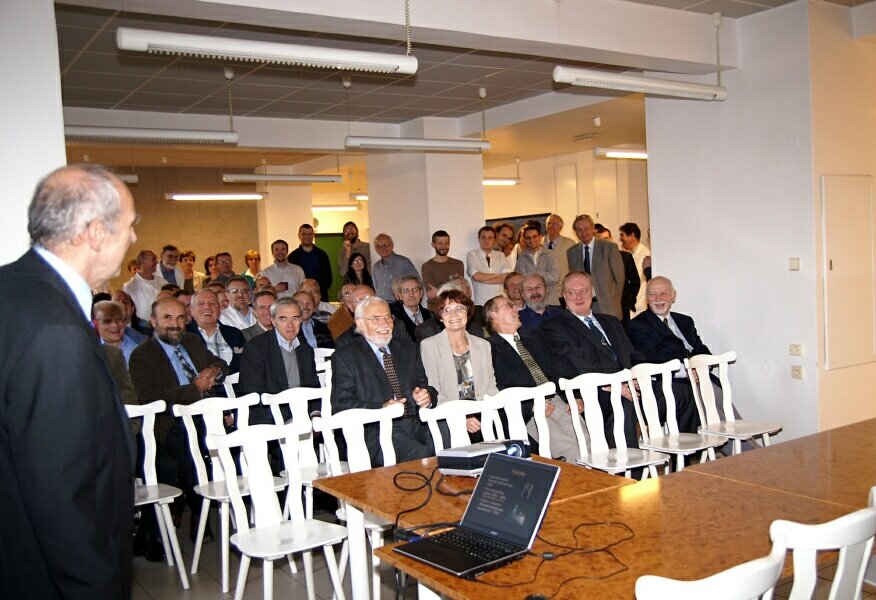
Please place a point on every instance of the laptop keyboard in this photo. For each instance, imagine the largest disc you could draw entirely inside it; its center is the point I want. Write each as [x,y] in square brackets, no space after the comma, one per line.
[474,545]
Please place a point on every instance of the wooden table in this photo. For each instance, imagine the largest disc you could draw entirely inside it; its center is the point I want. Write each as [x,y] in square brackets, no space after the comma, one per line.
[686,526]
[838,465]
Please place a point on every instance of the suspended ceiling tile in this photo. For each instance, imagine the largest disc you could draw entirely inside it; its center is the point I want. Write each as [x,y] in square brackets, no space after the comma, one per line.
[515,79]
[378,99]
[71,94]
[418,87]
[178,101]
[76,16]
[102,81]
[437,103]
[189,87]
[453,73]
[115,63]
[283,77]
[317,95]
[728,8]
[240,105]
[74,38]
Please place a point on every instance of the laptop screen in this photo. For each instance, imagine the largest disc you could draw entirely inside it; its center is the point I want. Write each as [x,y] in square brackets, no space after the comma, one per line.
[510,499]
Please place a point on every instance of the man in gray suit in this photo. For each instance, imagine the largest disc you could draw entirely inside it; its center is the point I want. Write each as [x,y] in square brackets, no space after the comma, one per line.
[559,245]
[602,260]
[536,259]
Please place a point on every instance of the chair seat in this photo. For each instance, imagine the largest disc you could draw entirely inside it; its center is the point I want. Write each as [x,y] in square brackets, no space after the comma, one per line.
[288,537]
[216,490]
[615,461]
[152,494]
[684,443]
[740,429]
[372,522]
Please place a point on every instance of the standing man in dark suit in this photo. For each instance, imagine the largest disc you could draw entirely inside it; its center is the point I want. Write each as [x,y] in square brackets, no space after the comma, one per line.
[377,369]
[602,261]
[408,291]
[66,449]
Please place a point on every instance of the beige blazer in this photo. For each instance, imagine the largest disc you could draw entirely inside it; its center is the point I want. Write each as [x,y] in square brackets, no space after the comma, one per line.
[437,359]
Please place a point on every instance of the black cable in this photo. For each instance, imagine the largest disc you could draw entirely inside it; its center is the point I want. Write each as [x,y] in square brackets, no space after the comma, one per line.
[425,482]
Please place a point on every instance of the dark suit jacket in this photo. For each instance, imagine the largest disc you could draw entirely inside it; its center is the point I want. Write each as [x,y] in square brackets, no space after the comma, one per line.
[232,336]
[359,381]
[66,449]
[324,278]
[656,341]
[576,350]
[401,317]
[321,333]
[510,369]
[632,283]
[155,379]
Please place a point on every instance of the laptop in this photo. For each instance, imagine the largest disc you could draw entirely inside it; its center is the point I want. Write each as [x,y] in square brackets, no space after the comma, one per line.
[500,523]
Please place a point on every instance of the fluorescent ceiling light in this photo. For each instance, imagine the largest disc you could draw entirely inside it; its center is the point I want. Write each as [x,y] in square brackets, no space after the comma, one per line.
[634,83]
[252,178]
[215,196]
[359,196]
[128,178]
[335,207]
[152,136]
[161,42]
[501,181]
[632,153]
[416,144]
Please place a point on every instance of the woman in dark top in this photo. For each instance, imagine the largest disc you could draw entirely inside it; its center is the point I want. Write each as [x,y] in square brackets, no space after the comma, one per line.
[357,271]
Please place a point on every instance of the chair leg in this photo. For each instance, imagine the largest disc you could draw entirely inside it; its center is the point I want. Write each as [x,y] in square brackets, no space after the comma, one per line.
[174,544]
[241,577]
[345,557]
[308,502]
[332,565]
[199,541]
[737,446]
[766,440]
[376,542]
[307,559]
[652,470]
[162,529]
[268,575]
[225,534]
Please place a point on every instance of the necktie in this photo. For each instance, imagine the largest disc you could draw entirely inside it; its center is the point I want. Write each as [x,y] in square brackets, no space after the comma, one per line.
[488,260]
[417,318]
[186,367]
[587,259]
[592,327]
[389,367]
[534,369]
[550,245]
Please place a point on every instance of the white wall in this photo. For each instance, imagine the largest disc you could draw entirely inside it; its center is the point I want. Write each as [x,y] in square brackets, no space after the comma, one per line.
[31,119]
[731,200]
[843,74]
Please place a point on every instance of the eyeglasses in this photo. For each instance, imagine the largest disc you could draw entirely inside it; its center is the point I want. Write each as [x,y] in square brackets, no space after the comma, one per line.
[664,294]
[412,290]
[358,261]
[384,245]
[360,298]
[237,291]
[223,262]
[378,319]
[457,308]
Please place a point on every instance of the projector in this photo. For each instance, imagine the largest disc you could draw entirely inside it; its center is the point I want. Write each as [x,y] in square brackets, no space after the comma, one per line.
[468,461]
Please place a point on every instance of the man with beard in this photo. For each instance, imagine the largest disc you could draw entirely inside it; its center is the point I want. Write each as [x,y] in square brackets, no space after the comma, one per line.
[284,276]
[352,244]
[377,369]
[534,290]
[175,366]
[313,260]
[440,268]
[239,314]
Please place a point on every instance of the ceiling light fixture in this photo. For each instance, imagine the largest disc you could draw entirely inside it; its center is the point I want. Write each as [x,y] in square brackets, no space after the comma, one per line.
[162,42]
[630,153]
[359,196]
[148,136]
[505,181]
[253,178]
[186,197]
[416,144]
[634,83]
[335,207]
[128,178]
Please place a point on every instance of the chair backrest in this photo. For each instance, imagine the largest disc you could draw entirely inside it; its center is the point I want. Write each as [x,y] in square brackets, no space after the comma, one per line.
[512,399]
[754,579]
[704,393]
[852,535]
[253,442]
[455,412]
[321,355]
[352,424]
[588,385]
[229,382]
[645,400]
[324,372]
[298,401]
[211,410]
[150,448]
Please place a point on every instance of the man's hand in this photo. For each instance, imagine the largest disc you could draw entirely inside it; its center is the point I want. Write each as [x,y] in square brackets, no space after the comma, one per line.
[472,425]
[422,397]
[392,401]
[548,408]
[580,406]
[206,378]
[283,286]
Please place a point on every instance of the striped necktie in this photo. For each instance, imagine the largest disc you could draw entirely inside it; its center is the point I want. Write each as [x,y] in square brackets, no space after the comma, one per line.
[394,383]
[186,367]
[534,369]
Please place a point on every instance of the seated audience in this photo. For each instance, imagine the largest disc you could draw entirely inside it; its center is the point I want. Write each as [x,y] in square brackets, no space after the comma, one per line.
[109,320]
[342,319]
[312,331]
[224,268]
[192,280]
[238,314]
[434,325]
[377,369]
[185,297]
[168,267]
[511,288]
[322,311]
[223,341]
[210,269]
[262,308]
[253,261]
[408,291]
[535,296]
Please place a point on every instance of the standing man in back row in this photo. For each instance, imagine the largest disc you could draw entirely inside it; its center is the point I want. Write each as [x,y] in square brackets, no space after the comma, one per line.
[391,266]
[285,276]
[602,261]
[352,244]
[312,260]
[66,451]
[486,267]
[630,239]
[440,268]
[559,245]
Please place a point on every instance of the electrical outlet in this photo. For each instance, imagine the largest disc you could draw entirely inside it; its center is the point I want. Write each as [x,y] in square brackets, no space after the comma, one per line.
[796,371]
[795,349]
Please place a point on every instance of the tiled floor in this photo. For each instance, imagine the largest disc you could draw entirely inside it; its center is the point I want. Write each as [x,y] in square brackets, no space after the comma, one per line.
[822,587]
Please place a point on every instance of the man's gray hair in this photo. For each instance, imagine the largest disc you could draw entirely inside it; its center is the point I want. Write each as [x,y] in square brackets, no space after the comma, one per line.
[362,306]
[108,306]
[456,283]
[284,301]
[398,281]
[68,199]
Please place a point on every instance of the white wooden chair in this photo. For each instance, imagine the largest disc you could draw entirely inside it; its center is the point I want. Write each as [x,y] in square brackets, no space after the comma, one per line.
[298,400]
[157,494]
[611,460]
[455,412]
[352,424]
[322,355]
[748,581]
[511,400]
[666,438]
[852,535]
[870,574]
[737,430]
[324,372]
[274,537]
[229,382]
[212,486]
